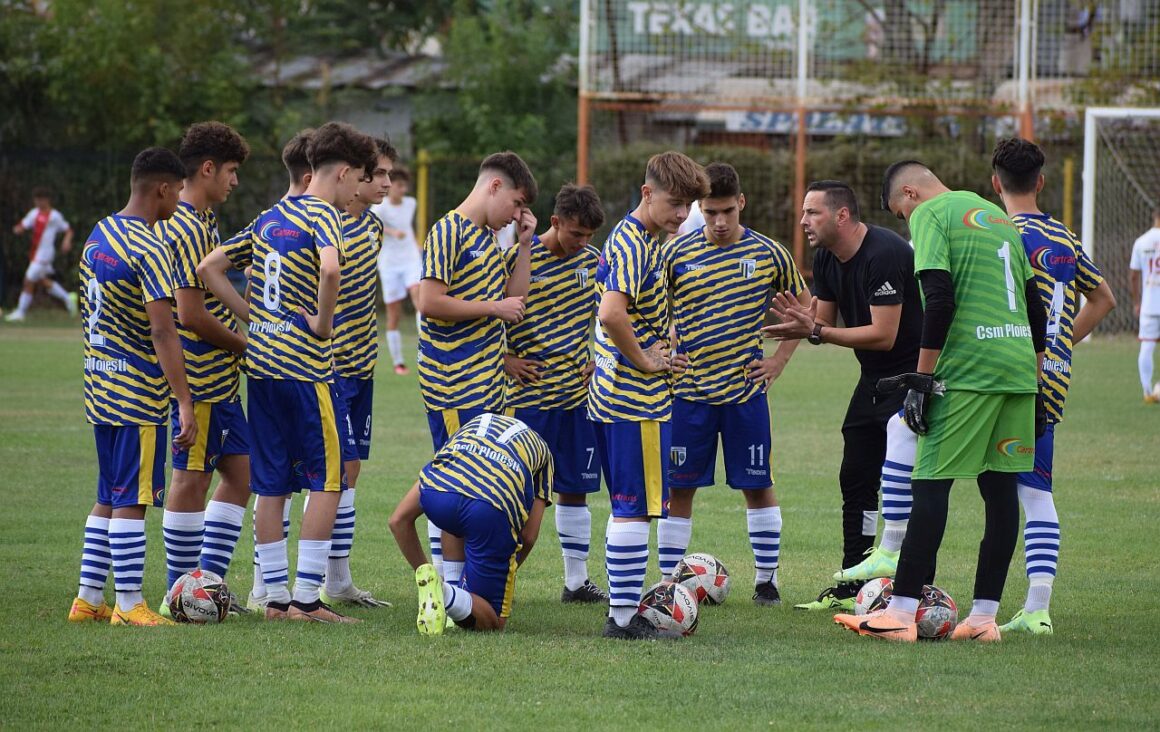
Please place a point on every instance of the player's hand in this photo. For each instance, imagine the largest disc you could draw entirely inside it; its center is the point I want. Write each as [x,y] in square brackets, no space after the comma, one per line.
[796,323]
[509,309]
[523,370]
[395,233]
[1040,414]
[919,389]
[526,226]
[587,371]
[657,359]
[765,370]
[184,439]
[322,331]
[679,363]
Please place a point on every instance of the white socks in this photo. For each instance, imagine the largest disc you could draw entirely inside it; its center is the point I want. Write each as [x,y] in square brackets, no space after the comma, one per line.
[223,526]
[627,561]
[275,570]
[901,445]
[341,539]
[95,561]
[127,547]
[673,536]
[1040,545]
[59,293]
[457,601]
[453,570]
[765,537]
[574,525]
[312,555]
[183,534]
[395,346]
[1147,348]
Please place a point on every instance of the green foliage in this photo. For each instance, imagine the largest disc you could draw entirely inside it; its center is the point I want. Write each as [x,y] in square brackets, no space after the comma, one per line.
[354,27]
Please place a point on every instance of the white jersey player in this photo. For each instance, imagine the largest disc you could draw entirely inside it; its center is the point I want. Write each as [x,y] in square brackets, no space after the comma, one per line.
[43,223]
[1144,283]
[400,259]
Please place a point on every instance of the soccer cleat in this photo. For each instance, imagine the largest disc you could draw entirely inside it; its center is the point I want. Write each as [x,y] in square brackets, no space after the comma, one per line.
[880,625]
[766,594]
[256,603]
[1148,398]
[878,563]
[14,317]
[401,370]
[432,618]
[353,596]
[839,598]
[986,632]
[272,610]
[586,593]
[83,611]
[139,614]
[1036,623]
[637,629]
[236,605]
[316,612]
[163,609]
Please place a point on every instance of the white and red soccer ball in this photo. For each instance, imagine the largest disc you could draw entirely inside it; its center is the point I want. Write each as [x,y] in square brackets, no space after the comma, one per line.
[937,614]
[199,597]
[670,608]
[703,575]
[873,595]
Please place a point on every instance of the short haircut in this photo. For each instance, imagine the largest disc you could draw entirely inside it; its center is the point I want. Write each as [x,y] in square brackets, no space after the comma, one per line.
[156,164]
[893,172]
[678,175]
[400,173]
[338,142]
[513,168]
[1018,163]
[579,204]
[294,155]
[214,141]
[383,148]
[42,192]
[837,195]
[723,180]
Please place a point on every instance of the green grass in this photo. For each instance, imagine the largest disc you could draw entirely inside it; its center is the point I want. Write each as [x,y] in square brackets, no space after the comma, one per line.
[745,668]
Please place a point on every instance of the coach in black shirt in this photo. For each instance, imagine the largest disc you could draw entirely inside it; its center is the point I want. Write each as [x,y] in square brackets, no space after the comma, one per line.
[865,273]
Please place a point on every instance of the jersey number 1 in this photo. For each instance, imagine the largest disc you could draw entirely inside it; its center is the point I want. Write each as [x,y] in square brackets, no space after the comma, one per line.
[1005,254]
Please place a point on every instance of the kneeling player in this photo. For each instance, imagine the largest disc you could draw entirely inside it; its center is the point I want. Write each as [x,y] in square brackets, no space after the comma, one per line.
[489,486]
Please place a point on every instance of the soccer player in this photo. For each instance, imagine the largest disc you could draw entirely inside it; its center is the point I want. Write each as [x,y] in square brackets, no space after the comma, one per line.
[630,394]
[973,399]
[548,367]
[721,278]
[465,297]
[864,273]
[197,534]
[1062,270]
[1144,283]
[356,350]
[294,249]
[488,485]
[44,223]
[132,352]
[400,259]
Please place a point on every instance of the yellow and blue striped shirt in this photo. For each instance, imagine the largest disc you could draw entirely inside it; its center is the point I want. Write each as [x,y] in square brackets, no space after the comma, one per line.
[719,299]
[496,459]
[212,372]
[123,267]
[631,263]
[283,244]
[1062,270]
[356,327]
[461,364]
[556,329]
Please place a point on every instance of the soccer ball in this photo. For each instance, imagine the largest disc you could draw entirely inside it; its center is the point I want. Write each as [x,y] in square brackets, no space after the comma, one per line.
[873,596]
[937,614]
[670,608]
[199,597]
[704,576]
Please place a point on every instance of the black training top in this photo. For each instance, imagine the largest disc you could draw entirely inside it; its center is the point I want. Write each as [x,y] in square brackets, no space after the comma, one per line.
[880,273]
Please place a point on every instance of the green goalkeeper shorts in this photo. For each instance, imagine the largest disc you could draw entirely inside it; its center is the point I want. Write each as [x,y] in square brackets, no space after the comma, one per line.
[970,433]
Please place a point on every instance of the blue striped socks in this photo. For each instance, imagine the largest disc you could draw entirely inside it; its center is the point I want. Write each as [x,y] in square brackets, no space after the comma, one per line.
[127,548]
[95,560]
[457,601]
[626,558]
[275,570]
[341,539]
[259,589]
[765,537]
[574,525]
[435,539]
[223,527]
[673,536]
[1040,545]
[183,534]
[312,554]
[896,500]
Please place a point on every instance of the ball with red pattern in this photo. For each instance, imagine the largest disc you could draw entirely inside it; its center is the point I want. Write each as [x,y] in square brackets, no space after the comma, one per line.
[670,608]
[703,575]
[937,614]
[199,597]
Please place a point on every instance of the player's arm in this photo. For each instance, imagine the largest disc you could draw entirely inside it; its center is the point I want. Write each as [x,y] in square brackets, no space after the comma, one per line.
[531,530]
[1135,286]
[1097,304]
[192,313]
[613,315]
[167,345]
[402,524]
[518,280]
[66,241]
[434,302]
[329,278]
[767,370]
[212,271]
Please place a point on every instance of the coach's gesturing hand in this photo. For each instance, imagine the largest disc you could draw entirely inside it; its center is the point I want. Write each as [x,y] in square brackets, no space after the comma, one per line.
[920,387]
[523,370]
[796,321]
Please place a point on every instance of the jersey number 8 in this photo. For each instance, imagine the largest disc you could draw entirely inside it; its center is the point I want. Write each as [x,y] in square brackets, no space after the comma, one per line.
[271,285]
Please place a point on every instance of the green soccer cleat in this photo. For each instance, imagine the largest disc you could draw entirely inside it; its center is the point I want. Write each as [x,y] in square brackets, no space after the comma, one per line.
[432,618]
[840,598]
[163,609]
[879,563]
[1036,623]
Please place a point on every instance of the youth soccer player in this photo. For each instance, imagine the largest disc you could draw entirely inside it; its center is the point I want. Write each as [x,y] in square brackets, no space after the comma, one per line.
[548,367]
[356,350]
[1144,284]
[1062,271]
[488,485]
[400,260]
[721,278]
[43,223]
[294,249]
[133,365]
[972,401]
[630,393]
[197,534]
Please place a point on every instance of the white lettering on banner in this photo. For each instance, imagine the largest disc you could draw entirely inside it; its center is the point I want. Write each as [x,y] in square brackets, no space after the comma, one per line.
[660,18]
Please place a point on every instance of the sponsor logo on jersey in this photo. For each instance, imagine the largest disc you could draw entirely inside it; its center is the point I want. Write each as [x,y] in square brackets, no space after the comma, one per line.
[885,289]
[277,230]
[677,456]
[1013,446]
[540,278]
[1043,258]
[475,253]
[115,365]
[1007,330]
[748,268]
[978,218]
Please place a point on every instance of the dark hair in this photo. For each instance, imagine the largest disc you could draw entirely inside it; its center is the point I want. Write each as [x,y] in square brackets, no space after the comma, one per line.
[838,195]
[579,204]
[294,155]
[211,141]
[383,148]
[42,192]
[156,164]
[1018,163]
[512,167]
[338,142]
[678,175]
[891,173]
[723,180]
[400,173]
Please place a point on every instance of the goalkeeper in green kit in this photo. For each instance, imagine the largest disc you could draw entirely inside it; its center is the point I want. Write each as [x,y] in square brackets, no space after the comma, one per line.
[974,401]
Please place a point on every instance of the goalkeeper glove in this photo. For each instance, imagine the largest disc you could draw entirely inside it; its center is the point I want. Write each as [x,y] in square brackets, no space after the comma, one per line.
[919,388]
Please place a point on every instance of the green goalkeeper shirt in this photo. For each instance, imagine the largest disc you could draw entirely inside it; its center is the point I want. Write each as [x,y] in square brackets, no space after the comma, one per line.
[988,348]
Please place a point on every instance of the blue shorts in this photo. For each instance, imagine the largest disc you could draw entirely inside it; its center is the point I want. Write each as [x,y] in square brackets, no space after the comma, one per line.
[1040,476]
[635,459]
[744,432]
[572,439]
[221,430]
[353,401]
[131,461]
[296,445]
[490,544]
[446,422]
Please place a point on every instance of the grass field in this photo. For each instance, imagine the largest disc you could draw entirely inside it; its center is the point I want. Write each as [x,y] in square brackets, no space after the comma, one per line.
[746,667]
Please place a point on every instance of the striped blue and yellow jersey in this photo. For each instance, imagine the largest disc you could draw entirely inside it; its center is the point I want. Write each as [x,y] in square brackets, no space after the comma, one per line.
[631,263]
[461,364]
[556,329]
[1062,272]
[123,267]
[212,372]
[719,299]
[283,246]
[496,459]
[356,327]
